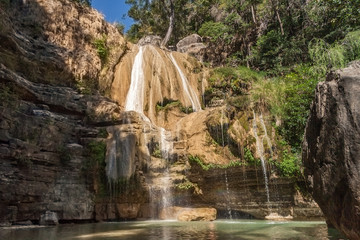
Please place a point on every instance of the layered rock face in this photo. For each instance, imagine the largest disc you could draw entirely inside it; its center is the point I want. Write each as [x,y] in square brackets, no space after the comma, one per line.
[53,42]
[43,143]
[45,129]
[331,150]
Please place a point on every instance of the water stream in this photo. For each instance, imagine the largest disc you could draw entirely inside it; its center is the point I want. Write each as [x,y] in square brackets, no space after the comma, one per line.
[228,207]
[260,151]
[266,136]
[190,93]
[166,147]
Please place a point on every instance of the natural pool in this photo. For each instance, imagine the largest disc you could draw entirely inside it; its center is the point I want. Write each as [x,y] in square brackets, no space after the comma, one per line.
[221,229]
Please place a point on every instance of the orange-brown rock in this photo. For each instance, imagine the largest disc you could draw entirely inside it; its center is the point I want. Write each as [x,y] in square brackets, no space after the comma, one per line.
[188,214]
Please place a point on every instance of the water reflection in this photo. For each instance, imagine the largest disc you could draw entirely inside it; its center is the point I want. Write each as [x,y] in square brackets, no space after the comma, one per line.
[154,230]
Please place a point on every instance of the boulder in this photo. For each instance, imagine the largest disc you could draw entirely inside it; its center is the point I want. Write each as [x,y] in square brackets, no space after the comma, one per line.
[188,214]
[49,218]
[192,45]
[331,149]
[150,39]
[128,210]
[197,214]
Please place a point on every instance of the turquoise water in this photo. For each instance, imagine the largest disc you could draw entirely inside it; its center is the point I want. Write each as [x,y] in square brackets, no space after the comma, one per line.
[154,230]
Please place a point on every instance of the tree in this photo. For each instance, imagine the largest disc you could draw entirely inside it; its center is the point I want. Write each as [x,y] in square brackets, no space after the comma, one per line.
[158,17]
[169,6]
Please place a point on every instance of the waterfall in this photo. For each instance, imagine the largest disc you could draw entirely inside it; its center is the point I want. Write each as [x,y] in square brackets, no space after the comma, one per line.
[265,133]
[120,153]
[228,207]
[260,151]
[135,102]
[135,97]
[190,93]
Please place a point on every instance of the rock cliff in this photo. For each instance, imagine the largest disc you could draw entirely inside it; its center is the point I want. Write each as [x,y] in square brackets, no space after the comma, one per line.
[331,150]
[46,126]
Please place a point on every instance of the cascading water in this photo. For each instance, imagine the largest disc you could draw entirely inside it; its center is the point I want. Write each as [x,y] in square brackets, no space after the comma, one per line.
[190,93]
[226,177]
[260,151]
[135,102]
[266,136]
[135,97]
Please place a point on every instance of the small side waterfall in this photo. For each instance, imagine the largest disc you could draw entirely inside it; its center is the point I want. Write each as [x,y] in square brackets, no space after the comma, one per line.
[196,106]
[228,207]
[266,136]
[120,153]
[260,151]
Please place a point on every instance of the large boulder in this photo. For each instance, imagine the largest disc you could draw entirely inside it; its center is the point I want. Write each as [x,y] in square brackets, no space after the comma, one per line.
[331,149]
[192,45]
[150,39]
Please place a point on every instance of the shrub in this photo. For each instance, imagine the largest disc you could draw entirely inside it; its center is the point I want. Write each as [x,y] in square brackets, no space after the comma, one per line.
[197,160]
[230,79]
[64,155]
[249,157]
[289,166]
[94,165]
[102,48]
[215,30]
[185,185]
[8,98]
[337,55]
[120,27]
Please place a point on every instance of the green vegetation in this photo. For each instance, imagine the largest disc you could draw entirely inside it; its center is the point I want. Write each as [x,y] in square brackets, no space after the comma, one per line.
[185,185]
[64,155]
[215,31]
[168,104]
[337,55]
[8,98]
[120,27]
[289,166]
[4,3]
[94,166]
[103,133]
[249,157]
[102,48]
[206,167]
[24,161]
[156,151]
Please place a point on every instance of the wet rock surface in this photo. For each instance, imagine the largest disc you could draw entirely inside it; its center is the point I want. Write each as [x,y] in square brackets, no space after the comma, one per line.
[331,150]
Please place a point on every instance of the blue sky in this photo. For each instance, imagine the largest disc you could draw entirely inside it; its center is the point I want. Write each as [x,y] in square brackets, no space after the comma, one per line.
[113,11]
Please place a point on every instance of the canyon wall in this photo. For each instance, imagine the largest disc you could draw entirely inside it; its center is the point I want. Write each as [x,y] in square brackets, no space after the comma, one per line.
[67,149]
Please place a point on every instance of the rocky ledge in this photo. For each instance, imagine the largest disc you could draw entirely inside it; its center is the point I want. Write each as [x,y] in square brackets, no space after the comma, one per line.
[331,150]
